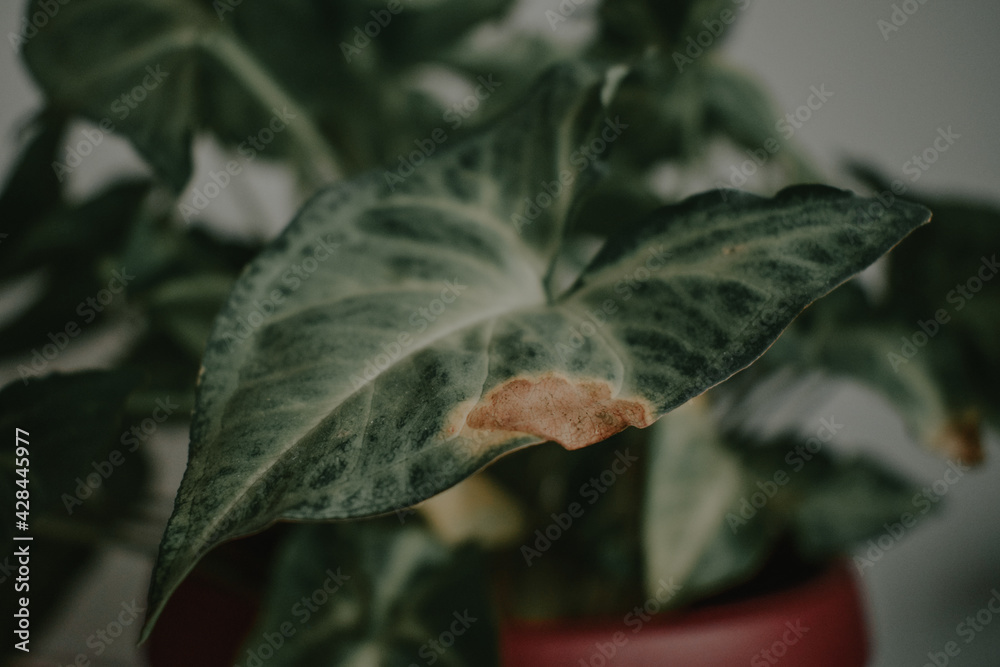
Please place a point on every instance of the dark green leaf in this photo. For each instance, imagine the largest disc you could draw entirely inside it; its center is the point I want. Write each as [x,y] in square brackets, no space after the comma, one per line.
[630,27]
[380,594]
[74,244]
[31,189]
[694,487]
[158,72]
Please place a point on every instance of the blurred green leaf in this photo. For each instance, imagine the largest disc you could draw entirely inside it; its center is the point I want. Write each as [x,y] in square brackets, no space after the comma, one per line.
[786,493]
[845,502]
[631,27]
[737,107]
[298,78]
[75,246]
[376,593]
[78,233]
[158,72]
[31,189]
[186,307]
[694,485]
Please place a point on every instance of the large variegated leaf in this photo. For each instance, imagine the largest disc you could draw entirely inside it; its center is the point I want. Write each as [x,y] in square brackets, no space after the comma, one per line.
[403,333]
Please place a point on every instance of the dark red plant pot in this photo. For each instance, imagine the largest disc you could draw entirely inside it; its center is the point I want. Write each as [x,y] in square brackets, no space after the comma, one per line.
[203,626]
[819,623]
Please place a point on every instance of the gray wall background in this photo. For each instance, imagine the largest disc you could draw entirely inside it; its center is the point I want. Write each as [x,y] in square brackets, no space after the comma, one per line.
[939,70]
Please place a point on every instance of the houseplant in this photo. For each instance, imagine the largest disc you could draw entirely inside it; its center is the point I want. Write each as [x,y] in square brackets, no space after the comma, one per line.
[526,186]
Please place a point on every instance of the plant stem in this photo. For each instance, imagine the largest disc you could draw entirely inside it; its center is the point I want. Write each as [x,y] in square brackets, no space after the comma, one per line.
[325,168]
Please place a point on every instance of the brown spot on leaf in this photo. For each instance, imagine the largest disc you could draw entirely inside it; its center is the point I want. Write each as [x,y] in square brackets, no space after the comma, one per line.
[574,414]
[960,440]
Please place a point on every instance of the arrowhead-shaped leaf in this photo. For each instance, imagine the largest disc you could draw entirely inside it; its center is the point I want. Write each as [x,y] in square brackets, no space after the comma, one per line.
[399,336]
[159,71]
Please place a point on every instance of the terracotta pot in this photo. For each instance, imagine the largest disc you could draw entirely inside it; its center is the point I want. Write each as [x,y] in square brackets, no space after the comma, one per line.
[818,623]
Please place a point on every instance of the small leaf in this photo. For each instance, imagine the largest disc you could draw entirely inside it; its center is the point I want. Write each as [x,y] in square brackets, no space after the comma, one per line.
[31,189]
[846,501]
[399,336]
[381,594]
[719,506]
[630,27]
[66,242]
[737,107]
[91,56]
[928,386]
[693,482]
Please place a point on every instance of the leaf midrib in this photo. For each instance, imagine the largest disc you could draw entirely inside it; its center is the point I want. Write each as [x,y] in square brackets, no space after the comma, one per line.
[262,472]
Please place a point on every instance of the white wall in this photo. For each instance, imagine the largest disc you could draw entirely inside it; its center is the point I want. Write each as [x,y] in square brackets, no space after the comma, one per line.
[938,70]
